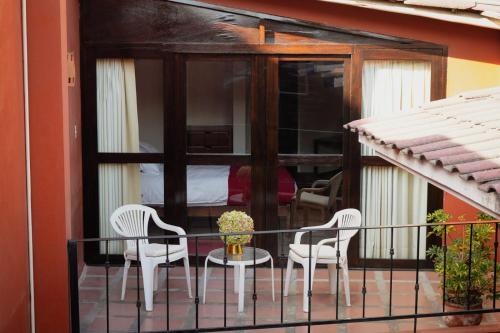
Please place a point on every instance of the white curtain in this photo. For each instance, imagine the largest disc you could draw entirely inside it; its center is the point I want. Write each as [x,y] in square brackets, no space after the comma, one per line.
[389,195]
[118,132]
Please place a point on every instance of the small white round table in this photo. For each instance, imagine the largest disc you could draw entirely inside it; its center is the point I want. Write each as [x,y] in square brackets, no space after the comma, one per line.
[239,261]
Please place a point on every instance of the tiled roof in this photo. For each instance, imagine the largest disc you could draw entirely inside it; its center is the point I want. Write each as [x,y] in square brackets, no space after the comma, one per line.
[460,134]
[483,13]
[488,8]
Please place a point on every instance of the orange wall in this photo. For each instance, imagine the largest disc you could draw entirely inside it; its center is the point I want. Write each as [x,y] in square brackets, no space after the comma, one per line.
[55,155]
[74,120]
[14,279]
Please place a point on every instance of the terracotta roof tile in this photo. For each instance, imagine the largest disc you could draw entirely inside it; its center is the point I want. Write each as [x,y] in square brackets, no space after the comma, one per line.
[460,134]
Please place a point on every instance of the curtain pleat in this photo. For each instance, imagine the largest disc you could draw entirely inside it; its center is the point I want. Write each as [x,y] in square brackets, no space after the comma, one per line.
[389,195]
[118,132]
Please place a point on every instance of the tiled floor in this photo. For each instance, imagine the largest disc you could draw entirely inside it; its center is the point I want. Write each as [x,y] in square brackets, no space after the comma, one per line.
[182,314]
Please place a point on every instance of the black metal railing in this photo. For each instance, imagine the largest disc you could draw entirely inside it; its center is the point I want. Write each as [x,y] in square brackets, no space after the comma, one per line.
[281,237]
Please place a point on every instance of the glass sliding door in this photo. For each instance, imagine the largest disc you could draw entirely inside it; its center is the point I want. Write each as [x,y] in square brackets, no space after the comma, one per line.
[310,116]
[218,145]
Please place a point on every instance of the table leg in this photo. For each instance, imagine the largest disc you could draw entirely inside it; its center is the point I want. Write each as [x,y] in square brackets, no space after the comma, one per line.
[235,279]
[205,281]
[241,288]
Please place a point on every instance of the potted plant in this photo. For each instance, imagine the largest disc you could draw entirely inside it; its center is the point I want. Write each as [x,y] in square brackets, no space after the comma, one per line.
[234,222]
[452,261]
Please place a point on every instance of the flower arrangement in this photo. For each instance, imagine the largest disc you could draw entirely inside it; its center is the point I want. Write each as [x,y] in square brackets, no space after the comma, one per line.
[232,222]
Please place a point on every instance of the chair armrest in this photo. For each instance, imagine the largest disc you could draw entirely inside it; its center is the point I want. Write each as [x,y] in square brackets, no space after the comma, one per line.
[309,190]
[323,242]
[169,227]
[320,182]
[298,235]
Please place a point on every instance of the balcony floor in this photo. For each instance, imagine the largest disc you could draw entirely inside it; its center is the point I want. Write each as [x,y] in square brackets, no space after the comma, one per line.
[123,315]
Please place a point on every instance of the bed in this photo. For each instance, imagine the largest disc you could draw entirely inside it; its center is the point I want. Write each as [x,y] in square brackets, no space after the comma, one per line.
[213,185]
[211,189]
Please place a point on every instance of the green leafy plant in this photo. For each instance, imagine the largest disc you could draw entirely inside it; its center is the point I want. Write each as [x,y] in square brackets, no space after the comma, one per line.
[451,260]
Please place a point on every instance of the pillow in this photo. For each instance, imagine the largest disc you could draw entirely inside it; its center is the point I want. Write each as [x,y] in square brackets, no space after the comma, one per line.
[150,168]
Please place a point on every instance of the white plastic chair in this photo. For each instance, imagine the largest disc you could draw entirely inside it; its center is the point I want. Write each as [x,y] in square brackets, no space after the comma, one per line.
[132,221]
[325,254]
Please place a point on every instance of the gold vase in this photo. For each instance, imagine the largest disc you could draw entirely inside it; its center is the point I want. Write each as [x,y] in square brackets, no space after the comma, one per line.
[234,249]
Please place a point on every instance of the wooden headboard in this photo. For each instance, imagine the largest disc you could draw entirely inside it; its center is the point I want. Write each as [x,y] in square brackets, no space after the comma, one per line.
[210,139]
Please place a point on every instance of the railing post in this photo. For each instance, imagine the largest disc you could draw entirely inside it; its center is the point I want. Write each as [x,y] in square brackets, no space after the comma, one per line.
[138,299]
[445,251]
[254,295]
[363,289]
[417,285]
[309,285]
[167,283]
[282,264]
[225,281]
[495,267]
[469,262]
[106,267]
[197,297]
[391,253]
[73,286]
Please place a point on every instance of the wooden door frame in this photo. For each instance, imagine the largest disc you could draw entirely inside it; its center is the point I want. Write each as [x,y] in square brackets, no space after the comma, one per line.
[274,159]
[438,59]
[263,111]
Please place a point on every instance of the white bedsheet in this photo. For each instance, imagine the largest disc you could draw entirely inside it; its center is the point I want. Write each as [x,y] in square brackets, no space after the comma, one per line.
[207,185]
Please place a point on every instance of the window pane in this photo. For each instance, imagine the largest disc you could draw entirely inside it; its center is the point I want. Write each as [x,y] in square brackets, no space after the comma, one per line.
[130,183]
[119,184]
[218,112]
[130,105]
[319,194]
[389,195]
[310,107]
[211,191]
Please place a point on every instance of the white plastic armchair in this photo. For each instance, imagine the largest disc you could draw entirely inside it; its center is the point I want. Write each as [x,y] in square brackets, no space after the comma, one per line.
[133,221]
[348,221]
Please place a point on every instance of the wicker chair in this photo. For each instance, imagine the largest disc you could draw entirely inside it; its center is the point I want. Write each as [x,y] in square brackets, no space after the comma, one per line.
[323,196]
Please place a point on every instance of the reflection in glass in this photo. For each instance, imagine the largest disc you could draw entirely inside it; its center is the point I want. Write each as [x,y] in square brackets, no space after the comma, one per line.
[218,117]
[211,191]
[310,107]
[318,196]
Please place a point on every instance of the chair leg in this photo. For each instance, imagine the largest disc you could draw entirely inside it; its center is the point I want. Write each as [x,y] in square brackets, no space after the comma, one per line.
[345,273]
[188,275]
[332,274]
[235,278]
[147,279]
[125,275]
[289,269]
[155,279]
[241,288]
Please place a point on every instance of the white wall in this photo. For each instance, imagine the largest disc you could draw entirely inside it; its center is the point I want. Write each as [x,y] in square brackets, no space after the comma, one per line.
[209,93]
[216,95]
